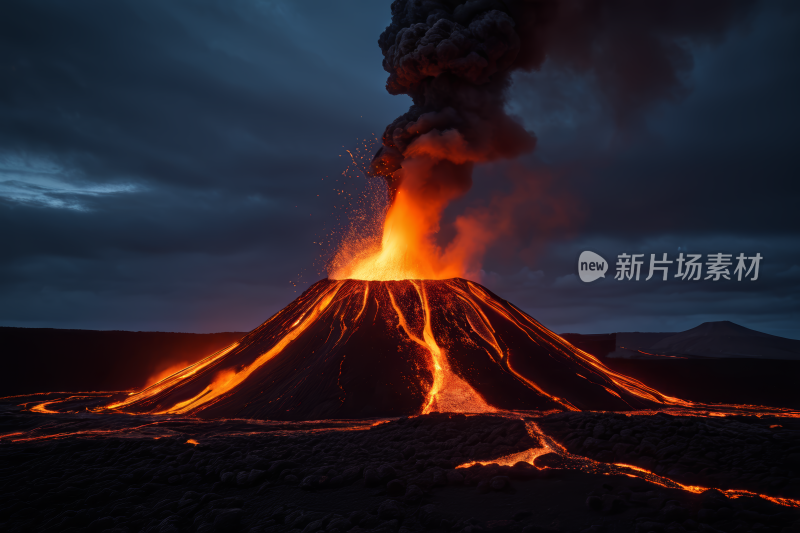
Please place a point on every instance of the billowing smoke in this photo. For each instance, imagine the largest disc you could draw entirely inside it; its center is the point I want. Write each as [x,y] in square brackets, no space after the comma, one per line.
[456,59]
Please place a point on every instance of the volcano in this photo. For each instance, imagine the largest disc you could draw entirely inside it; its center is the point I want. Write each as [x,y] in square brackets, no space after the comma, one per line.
[356,349]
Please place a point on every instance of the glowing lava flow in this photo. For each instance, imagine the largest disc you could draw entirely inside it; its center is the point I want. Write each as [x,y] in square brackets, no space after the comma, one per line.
[596,467]
[354,348]
[187,372]
[362,349]
[448,392]
[227,379]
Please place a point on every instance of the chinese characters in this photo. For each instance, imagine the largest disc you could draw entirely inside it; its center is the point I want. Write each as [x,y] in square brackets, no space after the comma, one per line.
[690,268]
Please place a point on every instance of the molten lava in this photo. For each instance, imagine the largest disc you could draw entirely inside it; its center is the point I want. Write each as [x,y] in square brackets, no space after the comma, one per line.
[354,348]
[407,249]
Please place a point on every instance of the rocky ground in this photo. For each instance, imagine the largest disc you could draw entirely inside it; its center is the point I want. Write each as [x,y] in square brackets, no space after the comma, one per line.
[393,477]
[757,454]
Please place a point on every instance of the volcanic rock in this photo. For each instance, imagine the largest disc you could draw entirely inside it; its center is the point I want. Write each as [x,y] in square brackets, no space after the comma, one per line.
[356,349]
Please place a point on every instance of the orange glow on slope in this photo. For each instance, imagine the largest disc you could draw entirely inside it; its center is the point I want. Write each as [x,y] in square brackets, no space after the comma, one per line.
[586,360]
[167,372]
[486,332]
[440,318]
[174,378]
[228,379]
[448,392]
[220,382]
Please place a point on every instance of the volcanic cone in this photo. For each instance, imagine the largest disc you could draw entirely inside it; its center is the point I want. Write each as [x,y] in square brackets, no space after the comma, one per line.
[356,349]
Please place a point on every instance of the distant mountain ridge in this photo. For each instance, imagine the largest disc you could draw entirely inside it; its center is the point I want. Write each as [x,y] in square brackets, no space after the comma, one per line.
[725,339]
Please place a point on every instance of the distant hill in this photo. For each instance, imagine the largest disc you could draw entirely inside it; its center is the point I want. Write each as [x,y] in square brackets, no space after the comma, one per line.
[637,345]
[45,359]
[737,380]
[727,340]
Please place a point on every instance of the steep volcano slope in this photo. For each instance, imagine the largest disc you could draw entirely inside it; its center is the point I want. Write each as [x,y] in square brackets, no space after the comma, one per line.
[354,349]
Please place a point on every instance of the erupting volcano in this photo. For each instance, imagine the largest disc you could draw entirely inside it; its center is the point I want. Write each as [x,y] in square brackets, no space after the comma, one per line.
[395,330]
[353,349]
[398,394]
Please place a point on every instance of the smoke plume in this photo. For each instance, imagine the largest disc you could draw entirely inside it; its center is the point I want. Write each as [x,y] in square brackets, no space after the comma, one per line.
[456,59]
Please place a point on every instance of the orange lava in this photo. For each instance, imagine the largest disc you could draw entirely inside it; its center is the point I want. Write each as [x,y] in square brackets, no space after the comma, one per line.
[590,465]
[436,169]
[42,408]
[448,392]
[526,456]
[407,249]
[217,377]
[167,372]
[175,377]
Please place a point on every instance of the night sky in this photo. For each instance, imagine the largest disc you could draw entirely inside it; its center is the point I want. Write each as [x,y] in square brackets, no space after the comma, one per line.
[180,166]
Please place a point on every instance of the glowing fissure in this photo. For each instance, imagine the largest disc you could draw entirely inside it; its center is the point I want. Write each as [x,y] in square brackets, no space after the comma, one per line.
[453,394]
[484,297]
[437,357]
[170,381]
[651,477]
[586,464]
[482,326]
[530,326]
[366,299]
[227,379]
[226,382]
[448,392]
[42,407]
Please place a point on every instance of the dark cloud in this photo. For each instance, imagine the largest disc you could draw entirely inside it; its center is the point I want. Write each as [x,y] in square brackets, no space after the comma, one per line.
[711,169]
[163,161]
[160,162]
[717,160]
[554,294]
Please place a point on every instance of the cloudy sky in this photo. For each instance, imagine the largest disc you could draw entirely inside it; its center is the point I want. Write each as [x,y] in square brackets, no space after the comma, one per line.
[181,166]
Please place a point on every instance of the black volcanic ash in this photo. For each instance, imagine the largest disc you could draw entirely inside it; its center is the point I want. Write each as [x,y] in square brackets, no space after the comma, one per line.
[456,58]
[455,63]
